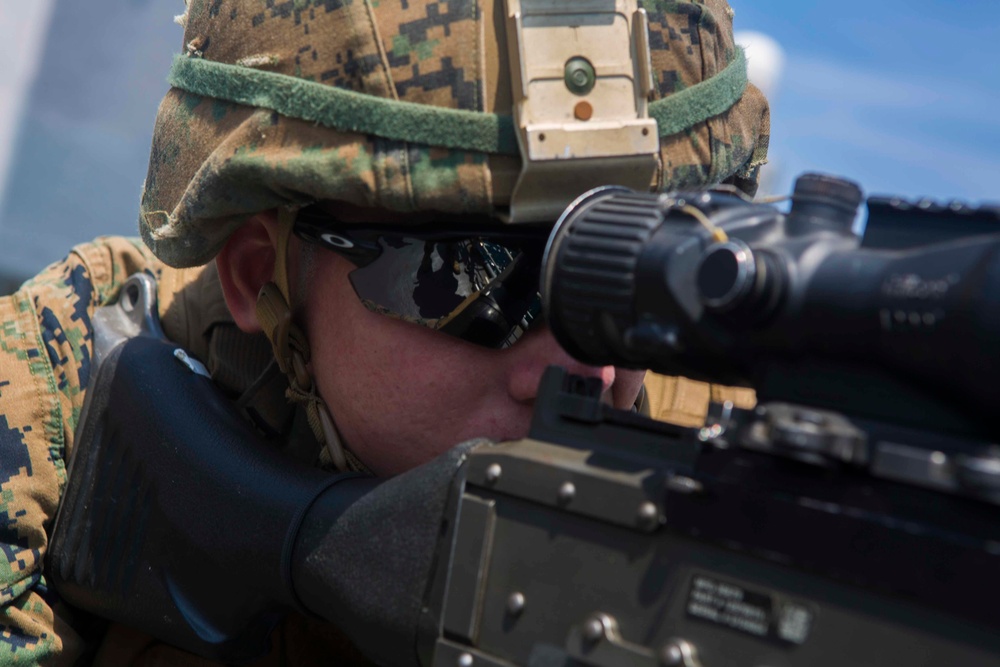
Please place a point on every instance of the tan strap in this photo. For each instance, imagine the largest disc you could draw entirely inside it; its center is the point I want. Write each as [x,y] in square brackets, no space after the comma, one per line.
[291,348]
[685,402]
[740,397]
[286,224]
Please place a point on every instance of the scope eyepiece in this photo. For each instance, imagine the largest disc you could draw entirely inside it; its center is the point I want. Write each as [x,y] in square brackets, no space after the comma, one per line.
[726,276]
[628,274]
[741,285]
[589,271]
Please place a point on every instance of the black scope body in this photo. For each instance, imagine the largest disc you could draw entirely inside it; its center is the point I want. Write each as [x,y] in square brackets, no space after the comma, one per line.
[902,323]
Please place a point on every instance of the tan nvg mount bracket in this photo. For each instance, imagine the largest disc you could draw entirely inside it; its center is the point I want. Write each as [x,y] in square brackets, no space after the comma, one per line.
[581,78]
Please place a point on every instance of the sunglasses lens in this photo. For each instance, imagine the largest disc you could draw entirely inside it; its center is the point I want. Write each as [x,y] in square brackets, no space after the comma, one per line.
[482,292]
[501,312]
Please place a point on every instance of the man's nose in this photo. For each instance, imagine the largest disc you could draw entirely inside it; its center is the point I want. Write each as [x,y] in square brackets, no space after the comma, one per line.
[534,353]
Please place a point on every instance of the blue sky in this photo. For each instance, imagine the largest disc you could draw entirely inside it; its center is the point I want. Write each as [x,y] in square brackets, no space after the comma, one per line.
[903,97]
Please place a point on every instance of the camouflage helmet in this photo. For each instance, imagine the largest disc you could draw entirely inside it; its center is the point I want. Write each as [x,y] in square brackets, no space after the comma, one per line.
[404,105]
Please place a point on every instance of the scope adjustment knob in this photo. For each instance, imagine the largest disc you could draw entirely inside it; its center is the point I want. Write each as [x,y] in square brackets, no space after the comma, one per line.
[826,202]
[726,275]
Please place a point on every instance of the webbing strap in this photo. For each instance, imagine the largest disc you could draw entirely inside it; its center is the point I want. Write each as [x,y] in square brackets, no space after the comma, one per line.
[286,224]
[351,111]
[686,108]
[346,110]
[291,350]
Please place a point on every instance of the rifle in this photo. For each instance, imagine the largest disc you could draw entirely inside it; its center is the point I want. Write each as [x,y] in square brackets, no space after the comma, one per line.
[850,519]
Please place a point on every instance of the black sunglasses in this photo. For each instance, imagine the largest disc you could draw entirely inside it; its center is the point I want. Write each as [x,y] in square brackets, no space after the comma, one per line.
[477,282]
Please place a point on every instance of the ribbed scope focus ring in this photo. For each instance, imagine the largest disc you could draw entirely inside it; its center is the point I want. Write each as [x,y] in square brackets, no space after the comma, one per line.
[590,272]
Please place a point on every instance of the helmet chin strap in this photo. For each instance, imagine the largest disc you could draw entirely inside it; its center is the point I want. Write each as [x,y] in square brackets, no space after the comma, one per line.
[291,350]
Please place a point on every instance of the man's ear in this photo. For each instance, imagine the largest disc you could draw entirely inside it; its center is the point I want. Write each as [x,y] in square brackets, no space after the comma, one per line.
[246,263]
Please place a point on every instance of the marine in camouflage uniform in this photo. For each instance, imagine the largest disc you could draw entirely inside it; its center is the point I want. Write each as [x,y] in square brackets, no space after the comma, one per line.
[234,142]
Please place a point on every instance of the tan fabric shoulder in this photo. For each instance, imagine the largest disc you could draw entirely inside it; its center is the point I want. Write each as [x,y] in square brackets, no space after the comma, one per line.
[685,402]
[191,303]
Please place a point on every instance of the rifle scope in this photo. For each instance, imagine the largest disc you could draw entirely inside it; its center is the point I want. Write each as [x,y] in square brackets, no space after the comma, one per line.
[712,286]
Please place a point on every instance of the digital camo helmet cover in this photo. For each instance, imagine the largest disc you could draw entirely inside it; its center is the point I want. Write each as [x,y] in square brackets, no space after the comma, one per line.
[406,105]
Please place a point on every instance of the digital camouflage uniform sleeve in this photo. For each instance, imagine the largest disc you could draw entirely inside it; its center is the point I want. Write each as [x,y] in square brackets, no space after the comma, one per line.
[45,353]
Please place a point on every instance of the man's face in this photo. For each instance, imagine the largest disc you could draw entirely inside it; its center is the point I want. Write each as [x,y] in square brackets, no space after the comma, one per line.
[401,394]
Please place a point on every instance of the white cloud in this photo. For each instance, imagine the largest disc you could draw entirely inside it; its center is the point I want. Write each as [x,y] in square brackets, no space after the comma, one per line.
[765,61]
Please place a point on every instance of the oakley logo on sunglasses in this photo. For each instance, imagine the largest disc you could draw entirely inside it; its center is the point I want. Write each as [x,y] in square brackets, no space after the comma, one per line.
[336,241]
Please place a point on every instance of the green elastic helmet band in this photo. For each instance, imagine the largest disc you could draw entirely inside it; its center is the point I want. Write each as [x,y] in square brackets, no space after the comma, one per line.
[350,111]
